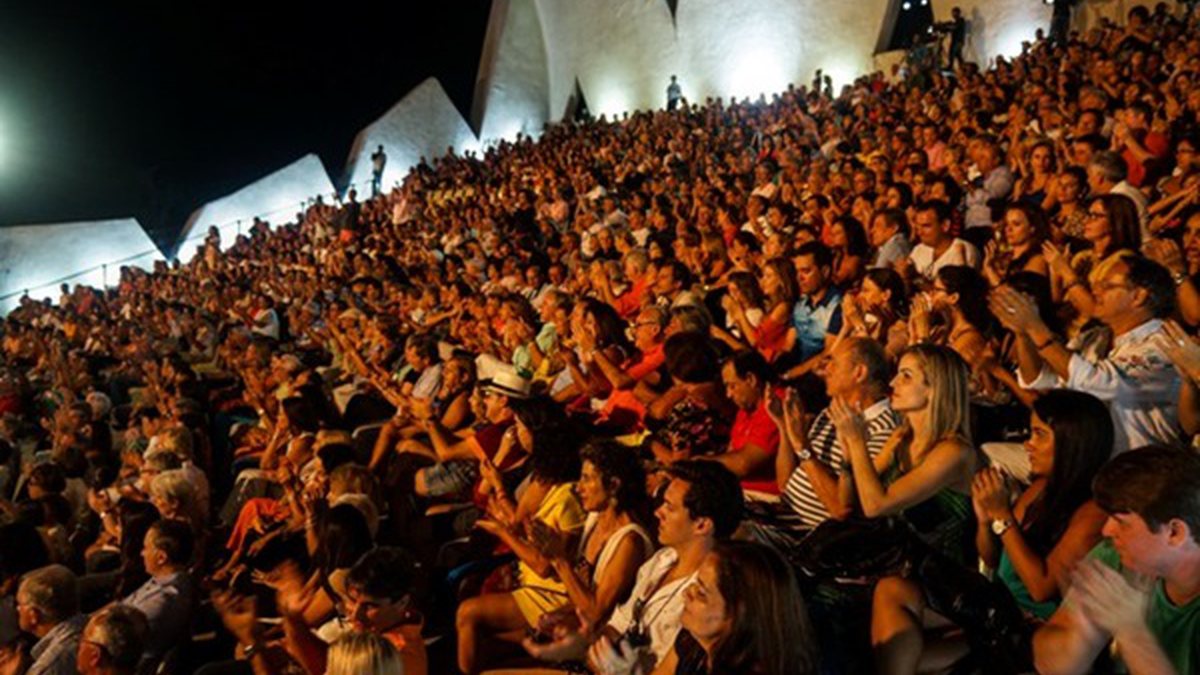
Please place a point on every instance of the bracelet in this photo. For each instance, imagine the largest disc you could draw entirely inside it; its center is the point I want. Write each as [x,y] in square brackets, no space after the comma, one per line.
[1179,278]
[1045,344]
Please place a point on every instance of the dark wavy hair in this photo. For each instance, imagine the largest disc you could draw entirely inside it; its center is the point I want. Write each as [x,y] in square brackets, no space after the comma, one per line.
[345,537]
[770,632]
[887,279]
[972,290]
[610,328]
[554,457]
[1083,442]
[857,243]
[622,473]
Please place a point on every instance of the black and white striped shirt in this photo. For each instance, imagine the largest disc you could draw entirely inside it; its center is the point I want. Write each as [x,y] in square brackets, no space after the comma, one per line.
[799,494]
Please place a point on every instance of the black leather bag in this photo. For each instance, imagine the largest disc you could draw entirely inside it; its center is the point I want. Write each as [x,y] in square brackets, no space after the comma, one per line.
[857,549]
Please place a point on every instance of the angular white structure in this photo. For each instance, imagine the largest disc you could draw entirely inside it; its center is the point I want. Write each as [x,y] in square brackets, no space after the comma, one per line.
[512,92]
[623,53]
[276,198]
[424,123]
[38,258]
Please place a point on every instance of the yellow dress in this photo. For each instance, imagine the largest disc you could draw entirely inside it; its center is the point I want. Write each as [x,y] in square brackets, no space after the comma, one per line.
[560,509]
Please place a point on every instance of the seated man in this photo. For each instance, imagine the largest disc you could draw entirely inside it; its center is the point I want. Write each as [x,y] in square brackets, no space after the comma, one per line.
[168,596]
[48,609]
[754,439]
[112,642]
[811,465]
[458,454]
[1133,376]
[632,386]
[1152,497]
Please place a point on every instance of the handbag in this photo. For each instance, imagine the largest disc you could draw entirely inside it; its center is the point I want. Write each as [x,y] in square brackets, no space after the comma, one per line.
[857,549]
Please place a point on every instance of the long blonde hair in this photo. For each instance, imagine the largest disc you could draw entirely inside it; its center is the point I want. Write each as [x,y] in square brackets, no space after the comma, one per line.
[363,654]
[947,375]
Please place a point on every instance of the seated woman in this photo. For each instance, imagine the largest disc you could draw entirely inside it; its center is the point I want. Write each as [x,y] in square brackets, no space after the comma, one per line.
[924,472]
[1024,231]
[779,287]
[596,327]
[743,301]
[601,572]
[694,413]
[1033,544]
[549,500]
[955,313]
[879,310]
[851,250]
[1113,230]
[743,614]
[451,406]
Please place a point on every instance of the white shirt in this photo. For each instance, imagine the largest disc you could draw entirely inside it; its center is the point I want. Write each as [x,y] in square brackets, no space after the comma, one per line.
[660,610]
[1136,380]
[961,252]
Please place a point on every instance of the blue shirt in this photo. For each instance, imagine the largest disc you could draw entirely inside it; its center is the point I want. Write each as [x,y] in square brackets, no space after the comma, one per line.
[167,603]
[54,654]
[813,322]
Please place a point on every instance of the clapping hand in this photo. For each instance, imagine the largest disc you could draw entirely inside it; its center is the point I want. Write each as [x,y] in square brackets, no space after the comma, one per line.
[1108,599]
[1058,259]
[848,422]
[1181,348]
[990,495]
[1015,310]
[622,658]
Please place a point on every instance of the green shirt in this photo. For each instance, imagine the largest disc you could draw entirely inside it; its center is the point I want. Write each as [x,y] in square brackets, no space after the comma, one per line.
[1176,628]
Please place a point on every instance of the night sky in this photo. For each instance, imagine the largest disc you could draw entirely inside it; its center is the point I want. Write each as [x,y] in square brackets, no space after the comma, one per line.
[150,109]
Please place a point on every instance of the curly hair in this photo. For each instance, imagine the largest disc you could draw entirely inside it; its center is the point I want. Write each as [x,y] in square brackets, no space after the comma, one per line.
[621,471]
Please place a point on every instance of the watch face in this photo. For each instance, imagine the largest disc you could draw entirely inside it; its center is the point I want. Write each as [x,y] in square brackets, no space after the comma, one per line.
[999,527]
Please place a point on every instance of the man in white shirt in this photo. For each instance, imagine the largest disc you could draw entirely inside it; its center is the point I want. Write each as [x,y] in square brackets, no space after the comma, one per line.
[1134,376]
[937,248]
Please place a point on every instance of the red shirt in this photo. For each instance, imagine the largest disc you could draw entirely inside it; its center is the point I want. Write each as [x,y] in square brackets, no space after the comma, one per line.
[622,406]
[630,302]
[755,427]
[1154,143]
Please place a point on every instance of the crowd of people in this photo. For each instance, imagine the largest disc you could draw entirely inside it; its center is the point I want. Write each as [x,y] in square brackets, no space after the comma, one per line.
[902,379]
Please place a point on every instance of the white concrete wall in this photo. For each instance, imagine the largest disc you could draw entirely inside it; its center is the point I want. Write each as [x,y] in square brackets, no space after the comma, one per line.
[276,198]
[997,27]
[623,52]
[424,123]
[512,88]
[38,257]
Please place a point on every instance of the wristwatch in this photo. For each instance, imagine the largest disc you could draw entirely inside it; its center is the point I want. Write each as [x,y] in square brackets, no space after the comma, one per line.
[999,527]
[804,454]
[1179,278]
[250,650]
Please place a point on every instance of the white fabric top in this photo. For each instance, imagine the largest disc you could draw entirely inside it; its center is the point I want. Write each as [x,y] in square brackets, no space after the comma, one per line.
[660,609]
[1137,381]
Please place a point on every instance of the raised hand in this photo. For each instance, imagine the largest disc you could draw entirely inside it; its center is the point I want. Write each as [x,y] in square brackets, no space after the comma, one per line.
[848,422]
[1181,348]
[1015,310]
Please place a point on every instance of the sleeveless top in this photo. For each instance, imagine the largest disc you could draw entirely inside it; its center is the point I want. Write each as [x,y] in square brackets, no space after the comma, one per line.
[600,568]
[943,521]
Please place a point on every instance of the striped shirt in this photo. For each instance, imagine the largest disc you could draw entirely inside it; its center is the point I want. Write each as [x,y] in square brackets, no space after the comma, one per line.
[799,494]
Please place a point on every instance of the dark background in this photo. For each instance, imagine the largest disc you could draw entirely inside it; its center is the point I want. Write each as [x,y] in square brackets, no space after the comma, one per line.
[118,108]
